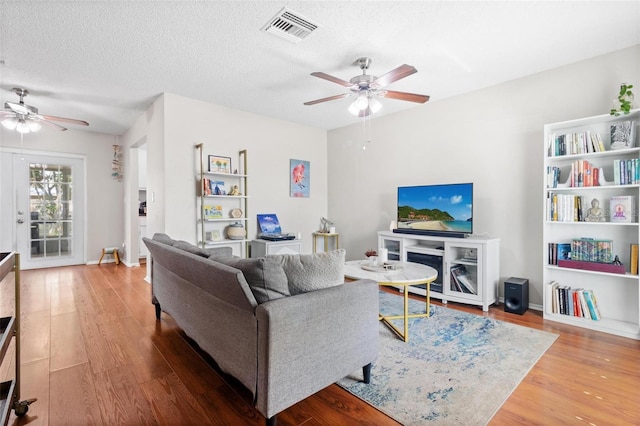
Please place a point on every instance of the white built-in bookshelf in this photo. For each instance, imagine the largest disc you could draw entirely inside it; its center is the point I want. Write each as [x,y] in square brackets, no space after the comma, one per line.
[589,169]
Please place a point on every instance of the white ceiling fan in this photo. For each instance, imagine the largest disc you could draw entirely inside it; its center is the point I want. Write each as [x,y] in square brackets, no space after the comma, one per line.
[25,118]
[367,87]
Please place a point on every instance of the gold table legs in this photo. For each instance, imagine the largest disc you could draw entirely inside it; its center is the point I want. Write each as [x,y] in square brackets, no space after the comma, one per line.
[404,335]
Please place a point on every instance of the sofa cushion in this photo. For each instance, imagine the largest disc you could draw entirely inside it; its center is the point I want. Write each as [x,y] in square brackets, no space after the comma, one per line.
[309,272]
[265,277]
[163,238]
[188,247]
[220,251]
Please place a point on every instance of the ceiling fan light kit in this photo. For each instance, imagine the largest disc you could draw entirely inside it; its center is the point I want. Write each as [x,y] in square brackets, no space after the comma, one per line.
[25,118]
[366,87]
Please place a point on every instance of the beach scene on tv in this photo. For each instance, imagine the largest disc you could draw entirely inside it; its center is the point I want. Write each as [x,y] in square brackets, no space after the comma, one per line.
[436,207]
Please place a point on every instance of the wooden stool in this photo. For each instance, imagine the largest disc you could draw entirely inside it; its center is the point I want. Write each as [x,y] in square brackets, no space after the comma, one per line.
[110,250]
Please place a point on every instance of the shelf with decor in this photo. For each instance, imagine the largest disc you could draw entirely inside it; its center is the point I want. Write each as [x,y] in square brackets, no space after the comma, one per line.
[590,223]
[222,202]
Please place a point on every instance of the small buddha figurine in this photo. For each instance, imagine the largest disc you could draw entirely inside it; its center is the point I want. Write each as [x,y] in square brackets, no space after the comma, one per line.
[595,213]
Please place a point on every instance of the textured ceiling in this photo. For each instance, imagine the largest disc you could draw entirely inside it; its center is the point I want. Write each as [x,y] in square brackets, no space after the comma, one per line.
[106,61]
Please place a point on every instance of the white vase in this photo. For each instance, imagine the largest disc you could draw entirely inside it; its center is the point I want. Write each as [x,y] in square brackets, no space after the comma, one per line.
[236,231]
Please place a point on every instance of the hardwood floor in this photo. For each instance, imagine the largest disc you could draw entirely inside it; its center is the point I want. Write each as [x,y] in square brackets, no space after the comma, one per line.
[93,353]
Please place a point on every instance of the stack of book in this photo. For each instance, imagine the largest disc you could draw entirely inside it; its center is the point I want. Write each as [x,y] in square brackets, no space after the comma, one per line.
[592,250]
[575,143]
[574,302]
[583,173]
[626,172]
[559,251]
[462,281]
[564,208]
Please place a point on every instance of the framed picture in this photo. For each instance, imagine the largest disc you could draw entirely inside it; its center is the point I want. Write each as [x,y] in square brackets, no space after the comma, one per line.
[212,212]
[300,178]
[214,235]
[218,188]
[219,164]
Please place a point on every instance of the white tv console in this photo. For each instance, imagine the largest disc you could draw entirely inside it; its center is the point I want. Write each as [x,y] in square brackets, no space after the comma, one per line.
[476,257]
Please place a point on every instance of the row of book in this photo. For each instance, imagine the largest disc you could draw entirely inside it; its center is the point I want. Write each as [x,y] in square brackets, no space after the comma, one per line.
[559,251]
[582,249]
[577,302]
[592,250]
[564,207]
[626,172]
[582,173]
[575,143]
[561,207]
[462,281]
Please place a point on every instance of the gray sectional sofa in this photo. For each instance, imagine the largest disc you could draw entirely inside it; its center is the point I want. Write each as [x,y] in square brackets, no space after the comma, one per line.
[285,326]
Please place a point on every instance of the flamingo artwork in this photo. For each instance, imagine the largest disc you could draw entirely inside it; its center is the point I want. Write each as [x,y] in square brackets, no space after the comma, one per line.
[299,173]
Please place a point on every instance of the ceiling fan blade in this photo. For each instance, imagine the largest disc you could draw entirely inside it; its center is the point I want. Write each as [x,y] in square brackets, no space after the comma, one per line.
[332,79]
[330,98]
[52,125]
[404,96]
[5,113]
[394,75]
[65,120]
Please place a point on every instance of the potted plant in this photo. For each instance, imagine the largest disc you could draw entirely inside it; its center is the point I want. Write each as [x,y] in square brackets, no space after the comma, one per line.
[624,102]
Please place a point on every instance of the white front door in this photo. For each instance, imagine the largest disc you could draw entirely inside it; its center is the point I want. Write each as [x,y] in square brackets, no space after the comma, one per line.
[49,210]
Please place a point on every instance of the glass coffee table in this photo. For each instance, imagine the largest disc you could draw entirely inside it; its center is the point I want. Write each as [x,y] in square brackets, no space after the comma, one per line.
[404,275]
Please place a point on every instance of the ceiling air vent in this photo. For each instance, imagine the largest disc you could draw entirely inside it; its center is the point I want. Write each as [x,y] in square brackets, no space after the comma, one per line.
[290,26]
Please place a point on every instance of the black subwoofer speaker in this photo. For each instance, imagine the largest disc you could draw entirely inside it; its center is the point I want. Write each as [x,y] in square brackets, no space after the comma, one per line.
[516,295]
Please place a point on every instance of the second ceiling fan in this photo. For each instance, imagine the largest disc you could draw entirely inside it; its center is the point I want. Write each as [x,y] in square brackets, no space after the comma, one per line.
[367,87]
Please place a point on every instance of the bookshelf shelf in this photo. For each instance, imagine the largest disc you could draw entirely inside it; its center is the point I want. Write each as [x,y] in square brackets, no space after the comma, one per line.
[588,272]
[617,295]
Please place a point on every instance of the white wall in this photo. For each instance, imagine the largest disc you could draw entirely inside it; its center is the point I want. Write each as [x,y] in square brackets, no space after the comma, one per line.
[492,137]
[181,123]
[104,195]
[270,144]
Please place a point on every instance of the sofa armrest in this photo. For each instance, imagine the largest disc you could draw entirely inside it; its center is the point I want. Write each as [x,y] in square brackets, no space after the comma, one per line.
[308,341]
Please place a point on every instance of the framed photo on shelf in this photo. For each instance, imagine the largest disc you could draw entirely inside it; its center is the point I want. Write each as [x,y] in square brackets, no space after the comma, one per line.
[212,212]
[214,235]
[218,188]
[218,164]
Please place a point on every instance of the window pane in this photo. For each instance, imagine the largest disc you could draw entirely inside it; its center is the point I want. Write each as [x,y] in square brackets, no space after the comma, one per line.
[52,248]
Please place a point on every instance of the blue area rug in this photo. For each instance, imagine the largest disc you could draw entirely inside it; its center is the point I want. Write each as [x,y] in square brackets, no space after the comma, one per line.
[456,369]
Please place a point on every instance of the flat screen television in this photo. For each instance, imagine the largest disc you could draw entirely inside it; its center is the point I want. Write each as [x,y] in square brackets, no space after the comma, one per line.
[442,210]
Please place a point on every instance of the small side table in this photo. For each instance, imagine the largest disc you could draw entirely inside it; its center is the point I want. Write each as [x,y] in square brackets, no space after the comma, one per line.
[327,236]
[110,250]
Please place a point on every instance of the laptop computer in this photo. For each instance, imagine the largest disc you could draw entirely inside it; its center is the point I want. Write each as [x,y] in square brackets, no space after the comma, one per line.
[270,229]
